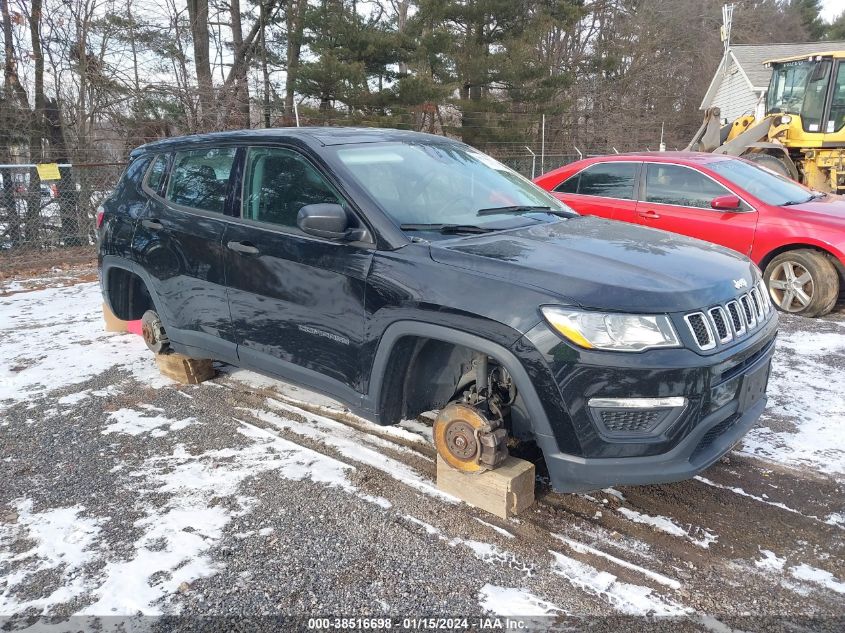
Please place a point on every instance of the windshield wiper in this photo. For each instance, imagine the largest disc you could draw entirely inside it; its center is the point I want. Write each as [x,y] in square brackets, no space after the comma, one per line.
[516,208]
[789,203]
[446,229]
[816,195]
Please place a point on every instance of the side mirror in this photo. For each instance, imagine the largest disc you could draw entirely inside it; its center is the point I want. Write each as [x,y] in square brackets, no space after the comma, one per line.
[325,219]
[726,203]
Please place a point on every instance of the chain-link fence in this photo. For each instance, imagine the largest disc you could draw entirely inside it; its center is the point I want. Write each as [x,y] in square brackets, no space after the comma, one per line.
[52,220]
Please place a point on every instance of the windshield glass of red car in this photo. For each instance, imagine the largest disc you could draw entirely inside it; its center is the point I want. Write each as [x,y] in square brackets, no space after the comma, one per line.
[761,183]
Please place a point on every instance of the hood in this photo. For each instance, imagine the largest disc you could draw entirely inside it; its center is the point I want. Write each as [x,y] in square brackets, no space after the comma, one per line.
[596,263]
[829,209]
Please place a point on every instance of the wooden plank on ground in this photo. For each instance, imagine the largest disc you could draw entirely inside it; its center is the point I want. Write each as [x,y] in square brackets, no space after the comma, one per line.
[113,324]
[505,491]
[188,371]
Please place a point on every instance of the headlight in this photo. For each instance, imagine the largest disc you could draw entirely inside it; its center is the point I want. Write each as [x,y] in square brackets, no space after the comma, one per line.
[612,331]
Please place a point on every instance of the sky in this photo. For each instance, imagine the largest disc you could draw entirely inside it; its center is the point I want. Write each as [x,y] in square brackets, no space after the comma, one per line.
[831,9]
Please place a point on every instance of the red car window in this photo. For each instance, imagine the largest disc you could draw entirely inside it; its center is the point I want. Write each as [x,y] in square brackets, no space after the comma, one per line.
[607,180]
[680,186]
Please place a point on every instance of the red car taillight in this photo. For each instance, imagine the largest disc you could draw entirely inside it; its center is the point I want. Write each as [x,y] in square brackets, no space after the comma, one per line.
[100,213]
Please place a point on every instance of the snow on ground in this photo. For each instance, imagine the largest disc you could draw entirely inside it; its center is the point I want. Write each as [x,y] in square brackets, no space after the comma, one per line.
[807,392]
[63,539]
[344,440]
[665,524]
[495,528]
[834,519]
[508,601]
[408,430]
[771,563]
[177,537]
[624,597]
[133,422]
[818,577]
[53,338]
[583,548]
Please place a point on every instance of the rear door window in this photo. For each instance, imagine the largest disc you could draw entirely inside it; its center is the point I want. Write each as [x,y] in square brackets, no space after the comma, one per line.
[681,186]
[157,172]
[278,183]
[200,179]
[606,180]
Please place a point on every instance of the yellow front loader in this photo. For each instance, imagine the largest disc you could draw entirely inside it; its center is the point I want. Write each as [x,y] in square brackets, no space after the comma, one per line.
[803,133]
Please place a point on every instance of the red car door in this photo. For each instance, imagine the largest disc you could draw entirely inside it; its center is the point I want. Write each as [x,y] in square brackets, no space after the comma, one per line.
[608,190]
[678,198]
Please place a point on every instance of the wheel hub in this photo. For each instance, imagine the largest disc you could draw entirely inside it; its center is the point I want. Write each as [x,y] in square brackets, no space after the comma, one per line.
[460,440]
[791,286]
[468,440]
[152,331]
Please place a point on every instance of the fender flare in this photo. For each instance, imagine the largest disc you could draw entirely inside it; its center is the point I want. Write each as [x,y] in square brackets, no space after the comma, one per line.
[399,329]
[114,261]
[799,243]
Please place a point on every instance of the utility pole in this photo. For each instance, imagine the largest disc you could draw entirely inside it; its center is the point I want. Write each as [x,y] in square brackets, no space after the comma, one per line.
[725,31]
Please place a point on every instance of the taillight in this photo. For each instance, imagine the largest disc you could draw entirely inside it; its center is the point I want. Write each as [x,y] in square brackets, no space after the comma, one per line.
[54,190]
[100,213]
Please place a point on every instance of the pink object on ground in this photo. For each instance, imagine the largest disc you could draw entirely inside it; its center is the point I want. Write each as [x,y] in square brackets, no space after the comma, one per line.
[134,327]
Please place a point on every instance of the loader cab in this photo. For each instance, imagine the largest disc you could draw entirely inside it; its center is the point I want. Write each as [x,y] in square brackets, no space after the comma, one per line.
[810,94]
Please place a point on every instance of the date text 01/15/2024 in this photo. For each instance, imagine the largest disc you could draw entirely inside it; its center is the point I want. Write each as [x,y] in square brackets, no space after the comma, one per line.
[420,624]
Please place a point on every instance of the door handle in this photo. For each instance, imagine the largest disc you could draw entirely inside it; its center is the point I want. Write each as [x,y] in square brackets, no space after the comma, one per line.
[651,215]
[243,247]
[154,225]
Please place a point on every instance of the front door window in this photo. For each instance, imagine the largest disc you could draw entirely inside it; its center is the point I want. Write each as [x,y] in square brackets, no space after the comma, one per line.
[681,186]
[278,183]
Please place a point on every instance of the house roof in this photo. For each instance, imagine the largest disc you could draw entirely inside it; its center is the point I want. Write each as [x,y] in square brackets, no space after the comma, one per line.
[750,59]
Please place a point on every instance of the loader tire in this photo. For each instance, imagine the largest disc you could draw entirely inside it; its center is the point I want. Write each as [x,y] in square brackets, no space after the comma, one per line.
[773,163]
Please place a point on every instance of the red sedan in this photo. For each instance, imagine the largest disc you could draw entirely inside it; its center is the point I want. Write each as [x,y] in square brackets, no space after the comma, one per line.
[795,235]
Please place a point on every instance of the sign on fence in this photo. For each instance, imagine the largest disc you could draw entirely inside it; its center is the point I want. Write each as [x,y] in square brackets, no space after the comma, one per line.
[48,171]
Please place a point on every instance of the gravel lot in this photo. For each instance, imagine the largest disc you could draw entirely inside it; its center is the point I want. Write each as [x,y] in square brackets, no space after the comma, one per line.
[123,493]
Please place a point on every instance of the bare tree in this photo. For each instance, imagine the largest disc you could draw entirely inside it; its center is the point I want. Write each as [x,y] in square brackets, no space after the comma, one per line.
[198,15]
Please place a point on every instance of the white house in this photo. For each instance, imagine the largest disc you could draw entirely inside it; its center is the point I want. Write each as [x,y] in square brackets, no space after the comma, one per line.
[741,80]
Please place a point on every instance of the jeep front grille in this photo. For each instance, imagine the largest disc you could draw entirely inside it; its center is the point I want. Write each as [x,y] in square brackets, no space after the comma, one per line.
[720,320]
[724,323]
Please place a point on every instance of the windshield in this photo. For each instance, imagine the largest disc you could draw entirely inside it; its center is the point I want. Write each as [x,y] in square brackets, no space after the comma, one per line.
[769,187]
[446,184]
[787,86]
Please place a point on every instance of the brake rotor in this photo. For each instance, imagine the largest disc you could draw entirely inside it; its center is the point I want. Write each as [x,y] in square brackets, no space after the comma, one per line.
[467,440]
[153,332]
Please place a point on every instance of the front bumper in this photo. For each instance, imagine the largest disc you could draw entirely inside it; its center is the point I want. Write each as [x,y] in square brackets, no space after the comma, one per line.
[714,436]
[579,458]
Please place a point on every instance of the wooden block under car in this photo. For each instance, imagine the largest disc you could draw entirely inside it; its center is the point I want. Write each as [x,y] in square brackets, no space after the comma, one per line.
[113,324]
[505,491]
[188,371]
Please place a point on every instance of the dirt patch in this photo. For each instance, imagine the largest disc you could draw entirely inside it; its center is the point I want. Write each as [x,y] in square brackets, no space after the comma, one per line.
[34,270]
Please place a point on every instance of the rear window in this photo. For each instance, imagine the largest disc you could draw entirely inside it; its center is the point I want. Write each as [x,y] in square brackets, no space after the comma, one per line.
[130,182]
[200,179]
[157,172]
[608,180]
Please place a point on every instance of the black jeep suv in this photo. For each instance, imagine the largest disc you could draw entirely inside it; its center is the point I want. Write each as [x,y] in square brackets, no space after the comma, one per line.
[403,272]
